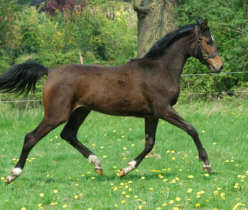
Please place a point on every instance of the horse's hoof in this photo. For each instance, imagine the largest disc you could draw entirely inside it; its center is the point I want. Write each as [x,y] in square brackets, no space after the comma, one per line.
[8,179]
[122,173]
[207,168]
[99,171]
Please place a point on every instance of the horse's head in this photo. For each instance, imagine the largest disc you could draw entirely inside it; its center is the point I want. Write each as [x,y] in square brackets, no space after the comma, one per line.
[205,49]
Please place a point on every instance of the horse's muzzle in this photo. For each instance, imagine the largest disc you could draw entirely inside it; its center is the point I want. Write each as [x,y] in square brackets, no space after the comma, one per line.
[214,70]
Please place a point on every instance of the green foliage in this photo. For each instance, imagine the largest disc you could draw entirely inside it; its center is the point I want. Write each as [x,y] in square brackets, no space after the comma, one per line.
[228,24]
[99,34]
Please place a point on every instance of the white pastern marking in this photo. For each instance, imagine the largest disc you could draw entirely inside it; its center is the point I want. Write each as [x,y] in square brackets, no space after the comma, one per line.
[94,159]
[206,165]
[16,171]
[130,166]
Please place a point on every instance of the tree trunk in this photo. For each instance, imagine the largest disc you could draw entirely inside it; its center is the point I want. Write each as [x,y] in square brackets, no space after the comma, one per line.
[155,19]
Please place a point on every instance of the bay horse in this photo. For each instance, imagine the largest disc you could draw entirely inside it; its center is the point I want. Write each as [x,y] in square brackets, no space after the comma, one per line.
[146,87]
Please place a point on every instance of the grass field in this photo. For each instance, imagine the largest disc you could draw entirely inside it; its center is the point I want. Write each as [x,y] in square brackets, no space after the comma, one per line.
[57,177]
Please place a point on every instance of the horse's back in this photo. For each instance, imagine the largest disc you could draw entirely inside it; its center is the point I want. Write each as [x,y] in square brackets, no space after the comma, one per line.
[112,90]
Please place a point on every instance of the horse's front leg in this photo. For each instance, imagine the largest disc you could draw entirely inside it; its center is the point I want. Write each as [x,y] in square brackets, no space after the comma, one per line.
[172,117]
[150,131]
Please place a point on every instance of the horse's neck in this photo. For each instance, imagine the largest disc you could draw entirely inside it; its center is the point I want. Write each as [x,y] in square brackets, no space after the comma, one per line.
[175,58]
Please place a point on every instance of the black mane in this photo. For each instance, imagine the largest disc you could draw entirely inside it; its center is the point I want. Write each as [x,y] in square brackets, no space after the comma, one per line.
[159,48]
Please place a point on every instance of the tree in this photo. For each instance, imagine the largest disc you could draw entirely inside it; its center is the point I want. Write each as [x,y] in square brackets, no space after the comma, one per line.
[155,19]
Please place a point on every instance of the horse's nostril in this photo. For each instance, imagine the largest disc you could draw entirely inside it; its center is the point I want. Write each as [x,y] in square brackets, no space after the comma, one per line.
[222,66]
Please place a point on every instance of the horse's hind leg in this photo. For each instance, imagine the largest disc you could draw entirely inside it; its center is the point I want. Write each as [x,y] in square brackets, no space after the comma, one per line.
[69,133]
[150,131]
[31,139]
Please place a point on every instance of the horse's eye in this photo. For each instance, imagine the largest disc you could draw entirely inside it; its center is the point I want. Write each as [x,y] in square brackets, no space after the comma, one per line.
[210,42]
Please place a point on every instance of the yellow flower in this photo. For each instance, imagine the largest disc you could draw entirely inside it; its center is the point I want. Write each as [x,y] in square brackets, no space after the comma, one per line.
[76,197]
[189,190]
[23,208]
[237,205]
[197,205]
[178,198]
[151,189]
[64,206]
[42,195]
[123,201]
[55,191]
[53,203]
[164,204]
[190,176]
[222,195]
[140,207]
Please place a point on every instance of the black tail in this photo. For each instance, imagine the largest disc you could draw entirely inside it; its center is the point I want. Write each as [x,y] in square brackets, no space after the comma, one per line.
[22,78]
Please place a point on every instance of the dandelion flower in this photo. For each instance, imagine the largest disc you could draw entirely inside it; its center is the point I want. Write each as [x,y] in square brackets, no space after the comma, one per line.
[222,195]
[189,190]
[164,204]
[197,205]
[178,198]
[190,176]
[55,191]
[64,206]
[42,195]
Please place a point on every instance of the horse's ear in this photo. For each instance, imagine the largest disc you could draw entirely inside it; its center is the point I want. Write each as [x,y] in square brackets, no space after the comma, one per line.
[199,21]
[204,25]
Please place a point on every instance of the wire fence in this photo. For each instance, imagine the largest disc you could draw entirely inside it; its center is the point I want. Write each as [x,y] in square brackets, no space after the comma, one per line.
[184,93]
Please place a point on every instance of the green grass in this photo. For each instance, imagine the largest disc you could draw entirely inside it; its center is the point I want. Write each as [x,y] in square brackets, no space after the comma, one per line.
[56,176]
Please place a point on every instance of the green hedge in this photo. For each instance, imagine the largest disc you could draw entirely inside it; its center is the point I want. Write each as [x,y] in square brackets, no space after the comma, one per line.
[100,34]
